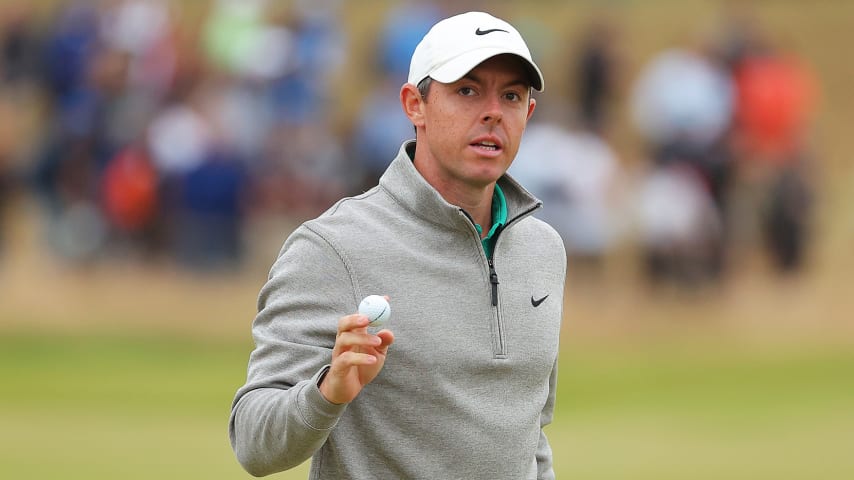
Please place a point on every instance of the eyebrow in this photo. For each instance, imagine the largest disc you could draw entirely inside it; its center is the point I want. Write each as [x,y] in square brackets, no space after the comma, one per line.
[520,81]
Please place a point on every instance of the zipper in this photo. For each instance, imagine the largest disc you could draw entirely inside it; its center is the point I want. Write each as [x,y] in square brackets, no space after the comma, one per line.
[498,351]
[493,280]
[493,276]
[499,348]
[498,330]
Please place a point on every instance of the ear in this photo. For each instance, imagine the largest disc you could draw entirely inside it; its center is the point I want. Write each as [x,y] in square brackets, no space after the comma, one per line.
[413,104]
[532,103]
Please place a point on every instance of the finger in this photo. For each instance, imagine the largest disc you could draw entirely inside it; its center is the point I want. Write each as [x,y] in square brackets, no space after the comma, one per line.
[352,322]
[353,359]
[386,337]
[348,340]
[356,339]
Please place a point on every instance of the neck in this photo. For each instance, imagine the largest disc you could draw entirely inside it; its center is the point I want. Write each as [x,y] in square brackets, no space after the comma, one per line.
[476,200]
[477,204]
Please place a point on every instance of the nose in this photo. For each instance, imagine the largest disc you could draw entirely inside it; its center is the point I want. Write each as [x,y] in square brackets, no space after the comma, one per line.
[492,110]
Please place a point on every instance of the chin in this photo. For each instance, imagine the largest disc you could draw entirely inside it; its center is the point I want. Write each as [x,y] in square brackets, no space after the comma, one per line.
[485,177]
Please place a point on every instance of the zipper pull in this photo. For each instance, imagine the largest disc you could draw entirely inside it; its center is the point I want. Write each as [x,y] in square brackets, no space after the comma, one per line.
[493,279]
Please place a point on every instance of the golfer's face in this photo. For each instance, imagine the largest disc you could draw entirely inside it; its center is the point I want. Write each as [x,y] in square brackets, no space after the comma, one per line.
[473,127]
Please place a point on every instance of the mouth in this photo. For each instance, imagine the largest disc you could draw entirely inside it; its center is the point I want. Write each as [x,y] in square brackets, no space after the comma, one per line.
[487,145]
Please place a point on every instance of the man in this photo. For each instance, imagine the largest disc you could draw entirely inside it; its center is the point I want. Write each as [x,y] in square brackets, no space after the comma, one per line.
[465,384]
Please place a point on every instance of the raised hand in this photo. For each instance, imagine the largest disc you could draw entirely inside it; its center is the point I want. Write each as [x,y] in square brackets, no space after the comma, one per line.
[357,359]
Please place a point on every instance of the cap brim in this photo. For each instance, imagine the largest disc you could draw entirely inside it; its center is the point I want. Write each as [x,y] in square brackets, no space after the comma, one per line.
[458,67]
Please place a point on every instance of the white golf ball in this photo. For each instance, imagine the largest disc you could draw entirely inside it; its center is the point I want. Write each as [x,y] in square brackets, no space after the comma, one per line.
[376,308]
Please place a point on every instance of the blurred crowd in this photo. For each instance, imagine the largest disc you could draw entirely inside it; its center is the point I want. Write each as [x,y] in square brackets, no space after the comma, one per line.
[159,134]
[726,167]
[156,136]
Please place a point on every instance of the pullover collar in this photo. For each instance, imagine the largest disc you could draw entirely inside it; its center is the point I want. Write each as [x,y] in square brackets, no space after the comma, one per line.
[403,182]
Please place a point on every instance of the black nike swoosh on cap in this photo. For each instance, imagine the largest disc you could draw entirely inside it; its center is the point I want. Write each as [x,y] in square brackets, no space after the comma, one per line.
[536,303]
[484,32]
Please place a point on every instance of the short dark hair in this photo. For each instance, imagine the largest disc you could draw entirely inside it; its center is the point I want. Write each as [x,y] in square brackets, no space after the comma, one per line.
[424,87]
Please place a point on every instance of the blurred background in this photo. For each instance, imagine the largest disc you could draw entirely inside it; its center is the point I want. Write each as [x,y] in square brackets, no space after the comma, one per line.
[694,155]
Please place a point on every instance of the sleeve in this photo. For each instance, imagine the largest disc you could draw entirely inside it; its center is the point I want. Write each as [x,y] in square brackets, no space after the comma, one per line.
[545,470]
[279,418]
[545,467]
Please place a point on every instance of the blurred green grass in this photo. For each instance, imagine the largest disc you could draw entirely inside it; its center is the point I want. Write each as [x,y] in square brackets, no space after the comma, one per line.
[117,407]
[708,413]
[99,406]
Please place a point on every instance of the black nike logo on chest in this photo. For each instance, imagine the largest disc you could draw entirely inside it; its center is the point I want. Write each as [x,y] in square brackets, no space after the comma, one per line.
[536,303]
[484,32]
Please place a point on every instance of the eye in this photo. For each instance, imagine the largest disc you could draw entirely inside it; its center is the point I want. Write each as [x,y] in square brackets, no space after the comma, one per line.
[513,96]
[466,91]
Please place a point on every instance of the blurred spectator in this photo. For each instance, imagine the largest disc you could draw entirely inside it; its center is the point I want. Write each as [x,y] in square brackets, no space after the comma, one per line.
[788,219]
[380,129]
[70,45]
[233,35]
[20,44]
[595,74]
[776,97]
[210,215]
[575,173]
[380,125]
[143,30]
[404,26]
[245,119]
[129,199]
[304,165]
[775,101]
[85,83]
[306,173]
[683,97]
[178,138]
[679,226]
[302,94]
[736,34]
[683,106]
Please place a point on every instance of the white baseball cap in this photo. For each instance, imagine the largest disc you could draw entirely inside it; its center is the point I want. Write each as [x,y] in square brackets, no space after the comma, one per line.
[454,46]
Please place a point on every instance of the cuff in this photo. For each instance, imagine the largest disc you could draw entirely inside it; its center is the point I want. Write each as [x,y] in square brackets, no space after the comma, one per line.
[318,412]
